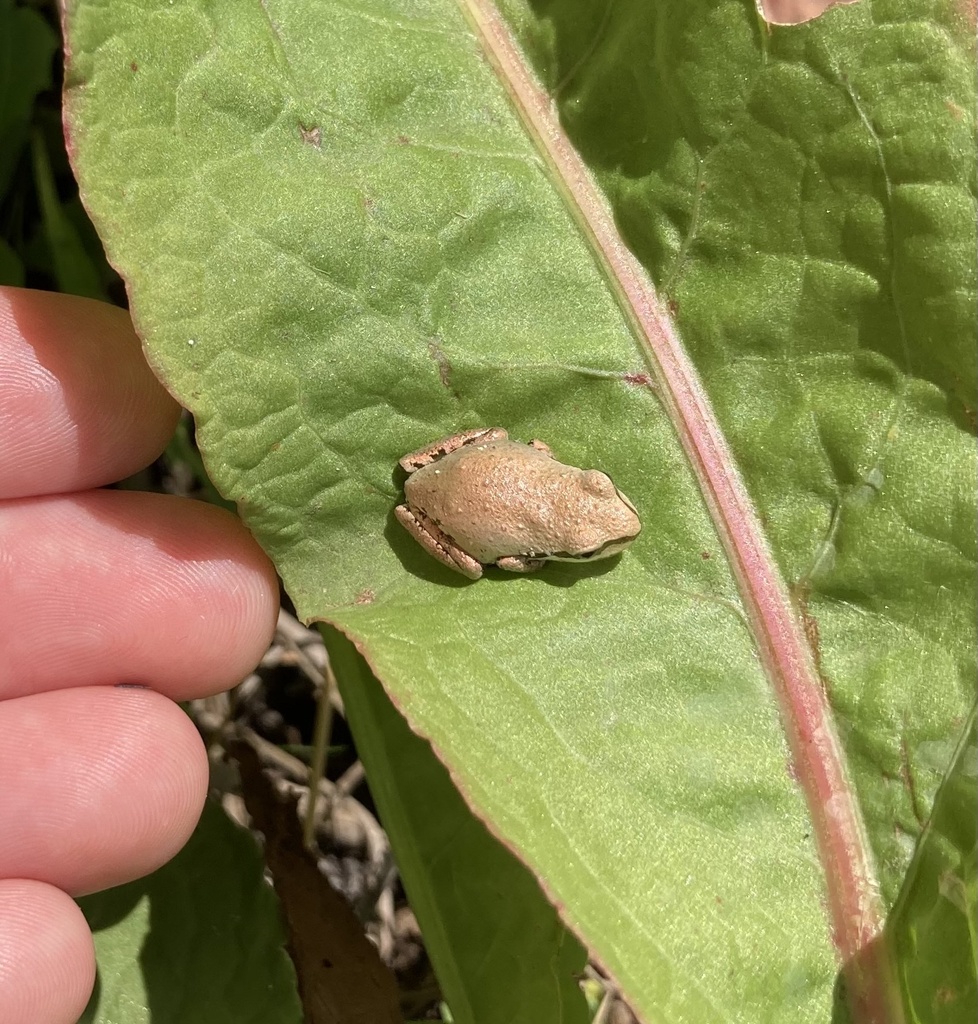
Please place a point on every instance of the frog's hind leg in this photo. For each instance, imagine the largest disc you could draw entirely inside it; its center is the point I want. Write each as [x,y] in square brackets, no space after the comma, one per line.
[423,456]
[439,546]
[520,563]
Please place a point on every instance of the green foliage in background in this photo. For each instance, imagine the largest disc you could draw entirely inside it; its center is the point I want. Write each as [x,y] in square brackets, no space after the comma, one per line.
[46,239]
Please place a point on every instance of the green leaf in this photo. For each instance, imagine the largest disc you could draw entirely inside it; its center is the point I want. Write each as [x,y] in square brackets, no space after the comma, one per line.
[27,45]
[342,243]
[936,910]
[199,940]
[501,950]
[11,268]
[74,272]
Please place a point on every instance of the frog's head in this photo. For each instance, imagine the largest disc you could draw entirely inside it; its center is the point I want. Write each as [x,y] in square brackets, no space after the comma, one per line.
[605,522]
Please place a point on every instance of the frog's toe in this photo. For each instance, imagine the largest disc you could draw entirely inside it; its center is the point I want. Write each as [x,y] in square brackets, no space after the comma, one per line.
[520,563]
[437,449]
[436,543]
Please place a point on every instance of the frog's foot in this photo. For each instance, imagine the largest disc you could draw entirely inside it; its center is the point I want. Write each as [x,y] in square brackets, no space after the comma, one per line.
[520,563]
[541,446]
[436,543]
[423,456]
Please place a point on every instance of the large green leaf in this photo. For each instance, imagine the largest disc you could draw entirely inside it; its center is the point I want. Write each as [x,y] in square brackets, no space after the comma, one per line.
[341,242]
[483,914]
[197,942]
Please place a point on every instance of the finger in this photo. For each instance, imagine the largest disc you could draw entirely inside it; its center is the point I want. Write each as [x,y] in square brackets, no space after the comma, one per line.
[47,961]
[98,786]
[79,406]
[123,587]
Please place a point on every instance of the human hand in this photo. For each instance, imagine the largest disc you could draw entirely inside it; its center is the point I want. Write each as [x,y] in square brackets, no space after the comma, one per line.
[98,784]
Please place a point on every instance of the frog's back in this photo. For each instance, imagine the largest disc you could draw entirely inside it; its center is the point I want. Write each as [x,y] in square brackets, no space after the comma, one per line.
[496,499]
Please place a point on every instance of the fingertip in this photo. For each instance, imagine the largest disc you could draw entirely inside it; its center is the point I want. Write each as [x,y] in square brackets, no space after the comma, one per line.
[160,763]
[200,597]
[120,773]
[47,957]
[74,369]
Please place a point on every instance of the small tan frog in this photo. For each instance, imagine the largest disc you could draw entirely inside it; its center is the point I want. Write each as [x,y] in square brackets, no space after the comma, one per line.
[477,498]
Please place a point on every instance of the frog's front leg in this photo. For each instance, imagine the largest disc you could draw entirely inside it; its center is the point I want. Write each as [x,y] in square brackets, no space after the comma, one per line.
[430,453]
[436,543]
[520,563]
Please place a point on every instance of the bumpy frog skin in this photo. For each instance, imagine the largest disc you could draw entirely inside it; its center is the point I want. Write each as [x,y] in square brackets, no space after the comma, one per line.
[477,499]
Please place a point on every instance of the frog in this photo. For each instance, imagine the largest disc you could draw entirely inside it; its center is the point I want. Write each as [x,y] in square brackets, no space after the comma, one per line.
[476,499]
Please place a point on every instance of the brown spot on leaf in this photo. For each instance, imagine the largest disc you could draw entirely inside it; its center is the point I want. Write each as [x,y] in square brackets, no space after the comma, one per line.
[638,379]
[444,365]
[133,66]
[810,624]
[365,597]
[908,779]
[312,136]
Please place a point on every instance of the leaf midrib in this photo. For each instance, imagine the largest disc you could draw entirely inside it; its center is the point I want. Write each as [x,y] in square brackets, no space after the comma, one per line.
[849,874]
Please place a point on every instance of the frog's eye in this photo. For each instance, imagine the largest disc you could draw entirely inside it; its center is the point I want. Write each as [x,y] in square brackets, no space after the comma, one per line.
[599,484]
